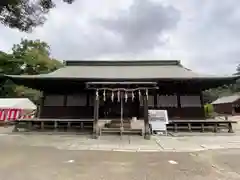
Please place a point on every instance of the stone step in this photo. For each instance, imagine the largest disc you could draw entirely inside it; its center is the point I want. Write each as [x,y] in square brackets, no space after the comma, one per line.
[116,123]
[119,120]
[119,125]
[118,131]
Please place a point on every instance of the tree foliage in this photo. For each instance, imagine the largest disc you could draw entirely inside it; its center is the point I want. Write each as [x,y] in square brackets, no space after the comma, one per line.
[35,57]
[8,65]
[28,57]
[25,14]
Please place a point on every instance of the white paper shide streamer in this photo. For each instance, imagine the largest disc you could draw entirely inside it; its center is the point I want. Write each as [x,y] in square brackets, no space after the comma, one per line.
[97,95]
[139,95]
[118,95]
[112,96]
[104,95]
[126,96]
[147,94]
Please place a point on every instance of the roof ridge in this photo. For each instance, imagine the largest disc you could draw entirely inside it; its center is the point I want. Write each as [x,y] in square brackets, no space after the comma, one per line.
[123,63]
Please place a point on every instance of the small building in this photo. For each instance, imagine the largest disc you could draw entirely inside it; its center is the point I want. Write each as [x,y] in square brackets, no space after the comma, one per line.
[227,105]
[121,90]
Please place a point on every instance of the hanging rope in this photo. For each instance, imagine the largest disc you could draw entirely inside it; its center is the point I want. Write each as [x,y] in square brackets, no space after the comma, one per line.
[123,89]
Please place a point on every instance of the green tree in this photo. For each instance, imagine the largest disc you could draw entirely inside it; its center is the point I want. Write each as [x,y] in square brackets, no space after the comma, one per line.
[25,14]
[35,57]
[28,57]
[8,65]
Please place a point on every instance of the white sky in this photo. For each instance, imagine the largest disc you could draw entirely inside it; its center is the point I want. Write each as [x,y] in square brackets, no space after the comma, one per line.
[203,34]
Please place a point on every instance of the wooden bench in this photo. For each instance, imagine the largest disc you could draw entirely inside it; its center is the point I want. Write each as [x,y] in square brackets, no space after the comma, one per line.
[53,124]
[201,125]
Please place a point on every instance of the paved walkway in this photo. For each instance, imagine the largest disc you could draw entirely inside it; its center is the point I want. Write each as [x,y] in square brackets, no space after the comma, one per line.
[198,143]
[126,143]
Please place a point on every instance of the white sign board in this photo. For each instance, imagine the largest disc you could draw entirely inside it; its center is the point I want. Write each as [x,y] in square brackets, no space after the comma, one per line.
[158,119]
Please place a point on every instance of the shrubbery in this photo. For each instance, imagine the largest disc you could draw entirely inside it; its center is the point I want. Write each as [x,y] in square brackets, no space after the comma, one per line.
[209,110]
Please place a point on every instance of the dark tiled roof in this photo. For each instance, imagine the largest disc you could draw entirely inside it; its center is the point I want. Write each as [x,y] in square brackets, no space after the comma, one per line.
[122,70]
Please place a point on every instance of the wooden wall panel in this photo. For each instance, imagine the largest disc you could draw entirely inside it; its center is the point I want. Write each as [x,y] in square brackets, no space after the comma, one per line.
[72,112]
[69,110]
[223,108]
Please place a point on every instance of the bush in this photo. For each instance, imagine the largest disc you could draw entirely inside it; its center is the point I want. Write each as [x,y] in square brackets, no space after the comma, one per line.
[209,110]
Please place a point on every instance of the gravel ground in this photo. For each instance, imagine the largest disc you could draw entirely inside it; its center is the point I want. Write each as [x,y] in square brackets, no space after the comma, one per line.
[25,162]
[48,157]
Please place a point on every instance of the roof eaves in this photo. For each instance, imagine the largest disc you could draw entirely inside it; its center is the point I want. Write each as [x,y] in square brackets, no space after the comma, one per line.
[46,76]
[123,63]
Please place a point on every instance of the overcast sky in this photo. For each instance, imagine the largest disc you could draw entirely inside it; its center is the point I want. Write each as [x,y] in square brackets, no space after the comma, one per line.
[203,34]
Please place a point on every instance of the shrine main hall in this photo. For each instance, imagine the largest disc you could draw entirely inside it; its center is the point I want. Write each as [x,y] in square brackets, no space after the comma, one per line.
[123,90]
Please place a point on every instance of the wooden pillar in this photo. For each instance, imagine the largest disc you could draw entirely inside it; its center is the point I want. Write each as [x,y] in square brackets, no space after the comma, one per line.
[155,99]
[179,108]
[202,105]
[147,134]
[96,115]
[65,96]
[201,98]
[233,110]
[179,87]
[40,105]
[88,94]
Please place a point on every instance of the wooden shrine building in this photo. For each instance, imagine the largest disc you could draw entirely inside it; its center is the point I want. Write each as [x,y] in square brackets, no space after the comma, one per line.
[229,105]
[121,90]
